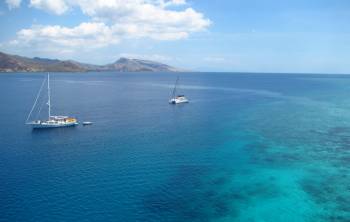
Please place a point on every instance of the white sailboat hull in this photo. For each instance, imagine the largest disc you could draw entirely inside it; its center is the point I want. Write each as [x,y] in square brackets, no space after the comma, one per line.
[178,100]
[47,125]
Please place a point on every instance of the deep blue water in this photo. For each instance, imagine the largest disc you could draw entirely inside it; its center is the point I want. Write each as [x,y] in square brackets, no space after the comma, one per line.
[248,147]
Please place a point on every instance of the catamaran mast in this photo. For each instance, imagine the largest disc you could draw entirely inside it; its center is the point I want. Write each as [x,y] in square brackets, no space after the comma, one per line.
[174,90]
[49,94]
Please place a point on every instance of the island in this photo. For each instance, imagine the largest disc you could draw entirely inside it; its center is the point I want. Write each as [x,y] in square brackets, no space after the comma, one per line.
[15,63]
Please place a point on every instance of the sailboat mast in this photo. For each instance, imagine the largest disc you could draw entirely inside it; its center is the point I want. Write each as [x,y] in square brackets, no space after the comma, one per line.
[49,94]
[174,91]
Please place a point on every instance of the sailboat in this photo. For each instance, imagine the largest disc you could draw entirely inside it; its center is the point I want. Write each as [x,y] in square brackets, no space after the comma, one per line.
[51,121]
[176,99]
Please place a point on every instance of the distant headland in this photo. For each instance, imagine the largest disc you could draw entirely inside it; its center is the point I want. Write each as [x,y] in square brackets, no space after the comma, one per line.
[15,63]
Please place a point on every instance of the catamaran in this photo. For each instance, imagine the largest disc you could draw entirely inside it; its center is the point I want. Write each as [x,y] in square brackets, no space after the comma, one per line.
[176,99]
[52,121]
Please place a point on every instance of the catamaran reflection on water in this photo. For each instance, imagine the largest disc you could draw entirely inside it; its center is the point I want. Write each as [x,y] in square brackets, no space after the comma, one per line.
[52,121]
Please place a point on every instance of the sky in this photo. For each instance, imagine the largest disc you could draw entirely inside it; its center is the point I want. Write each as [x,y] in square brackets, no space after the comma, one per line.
[288,36]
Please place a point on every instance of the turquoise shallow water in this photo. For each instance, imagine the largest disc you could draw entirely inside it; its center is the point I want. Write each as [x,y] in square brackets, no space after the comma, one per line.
[248,147]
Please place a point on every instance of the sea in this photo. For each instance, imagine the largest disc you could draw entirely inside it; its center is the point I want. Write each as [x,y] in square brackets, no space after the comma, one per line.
[248,147]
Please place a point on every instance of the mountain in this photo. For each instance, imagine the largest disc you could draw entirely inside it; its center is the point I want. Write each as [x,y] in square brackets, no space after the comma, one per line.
[14,63]
[138,65]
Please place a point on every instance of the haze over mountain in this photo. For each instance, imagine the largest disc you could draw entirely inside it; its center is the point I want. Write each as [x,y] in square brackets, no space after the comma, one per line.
[15,63]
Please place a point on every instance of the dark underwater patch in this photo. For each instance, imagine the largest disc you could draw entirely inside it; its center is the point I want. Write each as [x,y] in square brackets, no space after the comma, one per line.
[189,197]
[266,155]
[201,197]
[331,193]
[220,181]
[256,148]
[338,138]
[193,206]
[334,131]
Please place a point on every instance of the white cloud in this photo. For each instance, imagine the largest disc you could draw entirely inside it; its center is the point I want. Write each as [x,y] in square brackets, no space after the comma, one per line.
[178,2]
[13,3]
[54,6]
[172,3]
[142,18]
[86,35]
[114,20]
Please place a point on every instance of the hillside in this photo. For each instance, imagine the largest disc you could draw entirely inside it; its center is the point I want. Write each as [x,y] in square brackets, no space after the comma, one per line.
[14,63]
